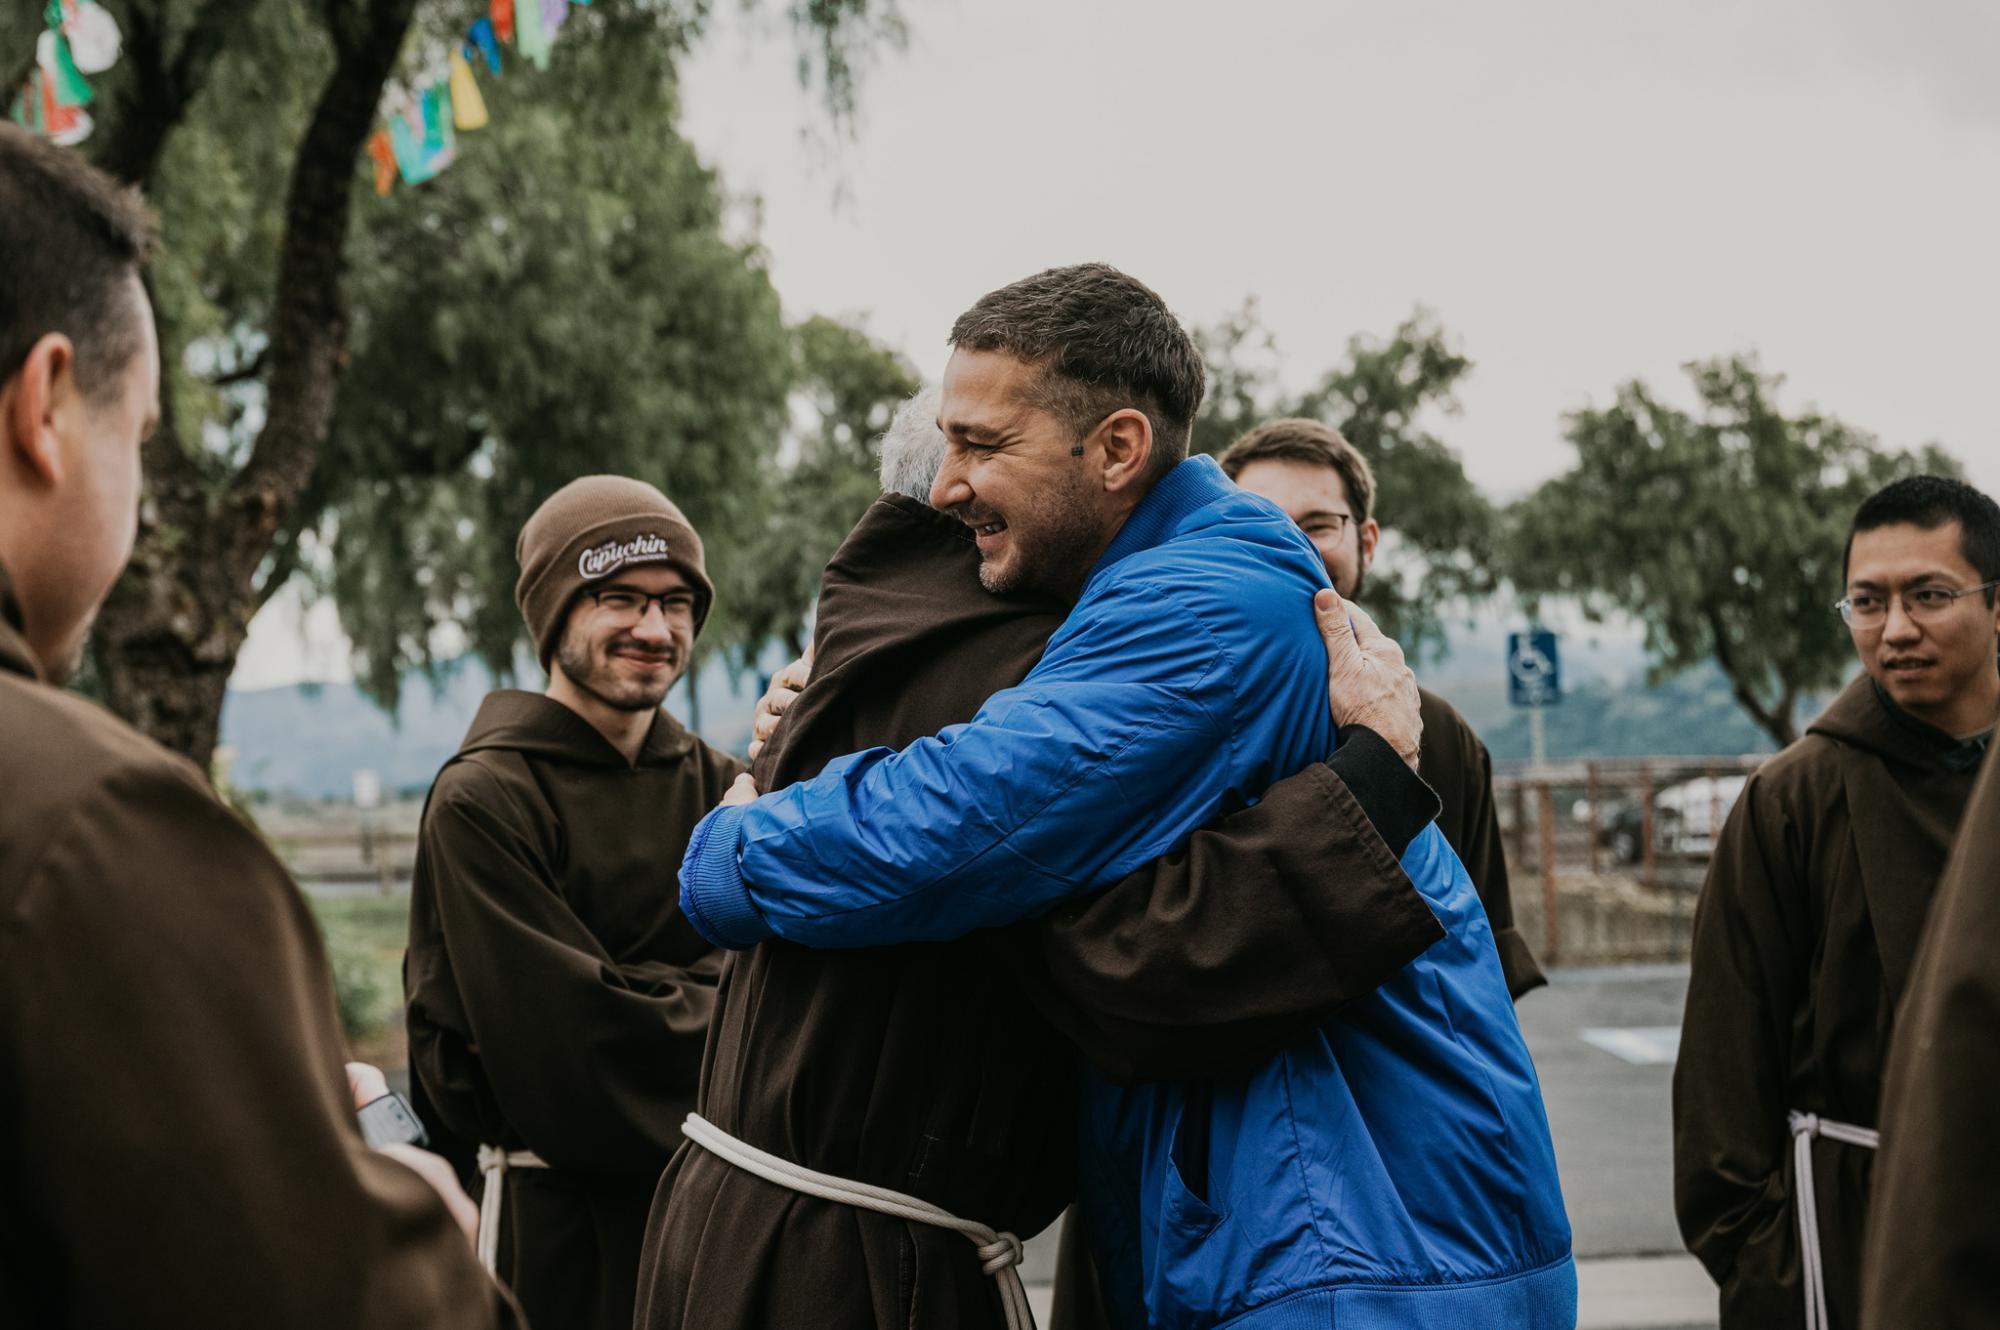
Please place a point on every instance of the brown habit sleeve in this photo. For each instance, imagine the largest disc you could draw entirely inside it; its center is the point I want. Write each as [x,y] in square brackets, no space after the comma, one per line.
[1731,1146]
[1933,1254]
[1485,856]
[188,1145]
[1208,961]
[570,1042]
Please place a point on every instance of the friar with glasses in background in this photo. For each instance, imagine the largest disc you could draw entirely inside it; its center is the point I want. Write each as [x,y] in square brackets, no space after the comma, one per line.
[1326,486]
[1810,917]
[558,1001]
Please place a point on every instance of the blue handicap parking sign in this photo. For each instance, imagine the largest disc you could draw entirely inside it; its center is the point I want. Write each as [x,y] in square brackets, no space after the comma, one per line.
[1534,671]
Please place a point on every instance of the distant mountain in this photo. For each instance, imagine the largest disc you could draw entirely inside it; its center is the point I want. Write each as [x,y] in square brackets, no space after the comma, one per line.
[310,739]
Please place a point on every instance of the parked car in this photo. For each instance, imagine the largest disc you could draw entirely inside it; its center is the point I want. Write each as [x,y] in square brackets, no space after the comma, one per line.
[1686,819]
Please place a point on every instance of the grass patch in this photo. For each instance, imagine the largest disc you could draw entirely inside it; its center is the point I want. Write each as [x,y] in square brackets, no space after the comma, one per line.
[365,937]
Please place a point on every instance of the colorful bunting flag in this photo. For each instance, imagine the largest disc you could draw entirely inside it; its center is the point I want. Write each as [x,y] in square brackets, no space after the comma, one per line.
[554,13]
[530,37]
[384,152]
[503,19]
[468,108]
[482,38]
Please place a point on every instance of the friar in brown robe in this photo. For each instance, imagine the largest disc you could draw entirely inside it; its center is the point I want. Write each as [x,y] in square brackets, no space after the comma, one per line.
[178,1143]
[1324,484]
[1933,1249]
[558,1000]
[925,1068]
[1803,942]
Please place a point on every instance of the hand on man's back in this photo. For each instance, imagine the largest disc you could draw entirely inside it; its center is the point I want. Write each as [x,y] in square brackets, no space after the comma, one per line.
[1368,682]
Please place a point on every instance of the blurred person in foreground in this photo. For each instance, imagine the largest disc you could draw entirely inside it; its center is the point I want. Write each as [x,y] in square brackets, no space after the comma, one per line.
[558,1000]
[178,1143]
[1389,1166]
[1326,486]
[1812,910]
[946,1069]
[1933,1251]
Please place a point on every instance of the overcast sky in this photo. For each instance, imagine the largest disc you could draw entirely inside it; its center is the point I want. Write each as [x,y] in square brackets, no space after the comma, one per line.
[1582,192]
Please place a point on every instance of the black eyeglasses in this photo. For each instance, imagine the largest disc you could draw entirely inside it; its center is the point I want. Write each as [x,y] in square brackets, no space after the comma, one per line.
[1924,603]
[630,606]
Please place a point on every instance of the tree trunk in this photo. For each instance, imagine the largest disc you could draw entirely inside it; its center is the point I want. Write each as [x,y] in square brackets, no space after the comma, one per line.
[168,637]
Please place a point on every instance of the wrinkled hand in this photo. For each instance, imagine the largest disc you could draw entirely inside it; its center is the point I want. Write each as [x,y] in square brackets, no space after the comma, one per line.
[436,1171]
[777,700]
[1367,681]
[744,791]
[365,1083]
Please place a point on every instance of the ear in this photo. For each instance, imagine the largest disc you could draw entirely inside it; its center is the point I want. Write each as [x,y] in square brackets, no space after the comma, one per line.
[30,401]
[1127,439]
[1371,534]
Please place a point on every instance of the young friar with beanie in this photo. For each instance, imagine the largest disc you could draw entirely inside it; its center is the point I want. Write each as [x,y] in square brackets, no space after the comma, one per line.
[558,1001]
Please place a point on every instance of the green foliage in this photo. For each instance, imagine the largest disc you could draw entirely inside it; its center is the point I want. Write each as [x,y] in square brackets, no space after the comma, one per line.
[1720,530]
[563,301]
[1439,532]
[847,388]
[365,937]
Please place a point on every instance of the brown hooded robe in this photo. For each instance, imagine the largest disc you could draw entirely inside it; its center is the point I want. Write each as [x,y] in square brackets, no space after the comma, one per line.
[1933,1253]
[177,1138]
[923,1068]
[1803,940]
[558,1001]
[1454,762]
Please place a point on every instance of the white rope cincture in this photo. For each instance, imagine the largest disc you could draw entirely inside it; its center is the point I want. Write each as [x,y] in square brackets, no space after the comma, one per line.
[493,1165]
[999,1253]
[1806,1126]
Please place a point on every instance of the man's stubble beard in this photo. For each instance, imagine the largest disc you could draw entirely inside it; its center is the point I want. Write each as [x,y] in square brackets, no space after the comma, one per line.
[596,680]
[1066,539]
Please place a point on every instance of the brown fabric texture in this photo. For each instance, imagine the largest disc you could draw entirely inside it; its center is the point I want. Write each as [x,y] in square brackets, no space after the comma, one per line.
[177,1139]
[1933,1251]
[1803,939]
[558,1000]
[1454,762]
[924,1068]
[585,533]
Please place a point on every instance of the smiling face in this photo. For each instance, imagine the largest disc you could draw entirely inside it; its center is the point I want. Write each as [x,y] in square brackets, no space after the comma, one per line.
[1940,668]
[1012,473]
[627,656]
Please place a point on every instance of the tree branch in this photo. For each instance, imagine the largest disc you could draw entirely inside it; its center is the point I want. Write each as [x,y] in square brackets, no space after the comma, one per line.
[309,322]
[158,94]
[1776,724]
[252,369]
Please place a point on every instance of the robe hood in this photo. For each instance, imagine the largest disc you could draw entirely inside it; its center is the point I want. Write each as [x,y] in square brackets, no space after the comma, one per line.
[1865,717]
[539,726]
[15,657]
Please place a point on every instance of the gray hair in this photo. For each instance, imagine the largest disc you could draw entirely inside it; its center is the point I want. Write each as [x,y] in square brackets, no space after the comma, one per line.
[913,448]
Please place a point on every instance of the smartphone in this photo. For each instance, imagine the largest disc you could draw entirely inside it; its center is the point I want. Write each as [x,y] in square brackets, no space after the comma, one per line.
[391,1121]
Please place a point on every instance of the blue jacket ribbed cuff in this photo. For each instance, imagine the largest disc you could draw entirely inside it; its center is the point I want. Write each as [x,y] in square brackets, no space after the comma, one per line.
[713,895]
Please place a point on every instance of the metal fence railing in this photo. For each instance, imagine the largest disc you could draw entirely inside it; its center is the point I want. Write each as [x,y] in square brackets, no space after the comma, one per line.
[1606,857]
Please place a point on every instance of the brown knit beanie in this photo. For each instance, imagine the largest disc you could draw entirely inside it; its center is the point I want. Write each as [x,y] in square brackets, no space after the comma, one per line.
[587,531]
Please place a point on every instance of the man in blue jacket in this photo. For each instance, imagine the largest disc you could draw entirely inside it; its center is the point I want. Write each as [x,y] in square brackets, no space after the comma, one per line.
[1394,1170]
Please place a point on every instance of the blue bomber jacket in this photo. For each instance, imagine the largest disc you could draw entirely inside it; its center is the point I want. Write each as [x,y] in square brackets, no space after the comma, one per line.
[1393,1170]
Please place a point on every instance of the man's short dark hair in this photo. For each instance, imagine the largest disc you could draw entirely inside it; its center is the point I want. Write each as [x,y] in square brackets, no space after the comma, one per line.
[1930,502]
[1312,443]
[1104,342]
[71,239]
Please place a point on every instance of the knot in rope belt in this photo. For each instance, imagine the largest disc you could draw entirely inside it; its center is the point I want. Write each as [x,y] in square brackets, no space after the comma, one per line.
[999,1253]
[493,1166]
[1805,1127]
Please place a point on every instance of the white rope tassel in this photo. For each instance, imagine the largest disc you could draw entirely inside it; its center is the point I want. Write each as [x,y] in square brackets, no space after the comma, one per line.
[1806,1126]
[999,1253]
[493,1165]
